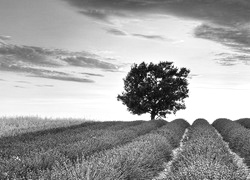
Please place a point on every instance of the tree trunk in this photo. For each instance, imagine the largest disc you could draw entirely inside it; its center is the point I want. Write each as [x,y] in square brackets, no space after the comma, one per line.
[153,114]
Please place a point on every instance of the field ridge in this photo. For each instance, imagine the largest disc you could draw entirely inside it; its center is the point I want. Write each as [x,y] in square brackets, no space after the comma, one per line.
[205,155]
[237,159]
[175,153]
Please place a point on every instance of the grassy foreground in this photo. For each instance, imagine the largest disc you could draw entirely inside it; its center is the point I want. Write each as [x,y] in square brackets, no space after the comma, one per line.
[28,155]
[124,150]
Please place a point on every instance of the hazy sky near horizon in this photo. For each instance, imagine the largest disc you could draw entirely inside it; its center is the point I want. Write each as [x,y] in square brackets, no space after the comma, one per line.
[67,58]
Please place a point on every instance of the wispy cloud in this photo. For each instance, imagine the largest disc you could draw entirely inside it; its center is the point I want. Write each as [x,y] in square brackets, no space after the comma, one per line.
[64,78]
[223,21]
[42,73]
[89,62]
[44,85]
[19,87]
[151,37]
[116,32]
[230,59]
[222,11]
[36,56]
[4,38]
[23,82]
[28,55]
[191,76]
[50,63]
[96,14]
[234,38]
[102,14]
[93,74]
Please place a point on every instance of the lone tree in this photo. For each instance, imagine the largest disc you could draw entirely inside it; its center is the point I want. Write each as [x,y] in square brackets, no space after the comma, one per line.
[158,89]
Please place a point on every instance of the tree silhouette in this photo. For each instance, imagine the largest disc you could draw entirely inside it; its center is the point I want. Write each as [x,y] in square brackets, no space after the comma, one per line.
[158,89]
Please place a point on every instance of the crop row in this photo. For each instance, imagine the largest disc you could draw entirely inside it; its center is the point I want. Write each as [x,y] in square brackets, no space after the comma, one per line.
[244,122]
[142,158]
[48,139]
[204,155]
[236,135]
[68,145]
[11,126]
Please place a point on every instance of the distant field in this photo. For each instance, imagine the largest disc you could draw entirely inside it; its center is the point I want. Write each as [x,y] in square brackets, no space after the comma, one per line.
[16,125]
[125,150]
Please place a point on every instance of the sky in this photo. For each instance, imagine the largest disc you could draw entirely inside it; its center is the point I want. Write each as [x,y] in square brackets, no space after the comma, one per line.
[68,58]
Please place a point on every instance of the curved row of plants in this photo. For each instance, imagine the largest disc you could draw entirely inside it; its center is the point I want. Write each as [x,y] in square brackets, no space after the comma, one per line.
[236,135]
[67,145]
[244,122]
[204,155]
[142,158]
[107,140]
[17,125]
[42,140]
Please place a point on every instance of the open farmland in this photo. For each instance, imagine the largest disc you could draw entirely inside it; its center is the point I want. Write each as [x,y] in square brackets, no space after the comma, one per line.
[136,150]
[10,126]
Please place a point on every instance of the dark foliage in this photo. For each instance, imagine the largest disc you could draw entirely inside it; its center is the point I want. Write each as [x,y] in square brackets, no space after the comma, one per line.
[158,89]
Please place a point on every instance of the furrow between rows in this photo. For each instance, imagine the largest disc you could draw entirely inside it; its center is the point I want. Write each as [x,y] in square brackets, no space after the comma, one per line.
[140,159]
[204,155]
[175,153]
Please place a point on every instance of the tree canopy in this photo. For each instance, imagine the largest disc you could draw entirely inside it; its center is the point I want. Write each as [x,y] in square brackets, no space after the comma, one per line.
[158,89]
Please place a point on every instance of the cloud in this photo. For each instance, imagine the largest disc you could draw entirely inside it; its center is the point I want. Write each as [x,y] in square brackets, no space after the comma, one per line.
[89,62]
[230,59]
[116,32]
[234,38]
[19,87]
[36,56]
[230,36]
[215,10]
[51,63]
[93,74]
[4,38]
[23,82]
[64,78]
[44,85]
[223,21]
[191,76]
[42,73]
[96,14]
[29,55]
[101,14]
[151,37]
